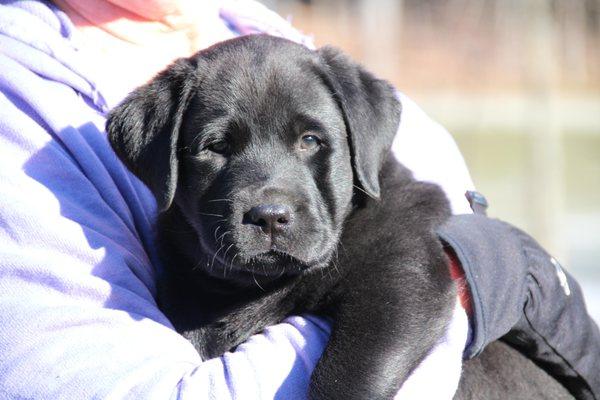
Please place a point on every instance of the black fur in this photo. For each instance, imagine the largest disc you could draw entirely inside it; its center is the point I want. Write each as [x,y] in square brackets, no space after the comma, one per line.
[502,373]
[224,131]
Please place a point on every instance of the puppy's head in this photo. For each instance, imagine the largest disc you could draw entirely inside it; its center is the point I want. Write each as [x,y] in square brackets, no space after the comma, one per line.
[259,143]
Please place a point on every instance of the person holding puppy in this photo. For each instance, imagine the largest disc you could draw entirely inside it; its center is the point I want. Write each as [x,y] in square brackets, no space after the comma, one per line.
[79,274]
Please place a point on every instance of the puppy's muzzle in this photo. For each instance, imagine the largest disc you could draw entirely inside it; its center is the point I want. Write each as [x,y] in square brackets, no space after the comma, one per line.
[272,219]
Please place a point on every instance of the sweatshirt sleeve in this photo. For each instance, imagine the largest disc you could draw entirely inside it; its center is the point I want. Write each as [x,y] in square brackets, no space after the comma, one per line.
[78,319]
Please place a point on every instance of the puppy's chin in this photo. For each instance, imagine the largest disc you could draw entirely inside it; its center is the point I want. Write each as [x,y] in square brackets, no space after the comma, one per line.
[266,266]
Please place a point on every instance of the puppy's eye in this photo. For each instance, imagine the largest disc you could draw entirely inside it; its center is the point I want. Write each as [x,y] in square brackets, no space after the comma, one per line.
[220,147]
[310,142]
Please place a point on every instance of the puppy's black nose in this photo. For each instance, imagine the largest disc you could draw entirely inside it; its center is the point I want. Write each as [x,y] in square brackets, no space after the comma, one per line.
[271,218]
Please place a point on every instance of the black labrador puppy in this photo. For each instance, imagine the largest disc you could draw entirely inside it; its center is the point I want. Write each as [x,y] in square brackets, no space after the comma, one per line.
[271,166]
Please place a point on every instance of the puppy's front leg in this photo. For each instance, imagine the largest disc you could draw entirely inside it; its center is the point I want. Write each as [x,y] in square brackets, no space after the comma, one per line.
[386,321]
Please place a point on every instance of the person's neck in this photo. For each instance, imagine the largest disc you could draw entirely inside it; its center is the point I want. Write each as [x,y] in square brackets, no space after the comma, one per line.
[142,22]
[133,40]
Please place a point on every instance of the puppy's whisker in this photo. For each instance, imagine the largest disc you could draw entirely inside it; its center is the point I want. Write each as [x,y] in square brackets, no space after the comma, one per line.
[232,260]
[212,263]
[217,200]
[210,215]
[256,281]
[362,190]
[281,273]
[226,251]
[336,255]
[222,237]
[334,264]
[216,230]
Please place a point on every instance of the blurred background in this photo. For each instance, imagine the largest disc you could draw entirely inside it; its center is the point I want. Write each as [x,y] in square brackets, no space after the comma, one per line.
[517,83]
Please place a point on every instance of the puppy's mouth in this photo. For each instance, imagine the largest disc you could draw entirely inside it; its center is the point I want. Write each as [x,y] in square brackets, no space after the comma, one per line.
[271,263]
[273,256]
[231,249]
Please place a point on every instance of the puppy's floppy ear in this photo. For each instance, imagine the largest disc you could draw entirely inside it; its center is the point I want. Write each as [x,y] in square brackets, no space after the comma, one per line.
[144,129]
[371,113]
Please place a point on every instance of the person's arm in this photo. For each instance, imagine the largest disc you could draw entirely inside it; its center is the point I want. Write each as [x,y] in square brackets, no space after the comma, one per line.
[78,317]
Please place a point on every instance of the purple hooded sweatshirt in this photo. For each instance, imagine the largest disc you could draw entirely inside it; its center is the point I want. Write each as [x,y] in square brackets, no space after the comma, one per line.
[78,316]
